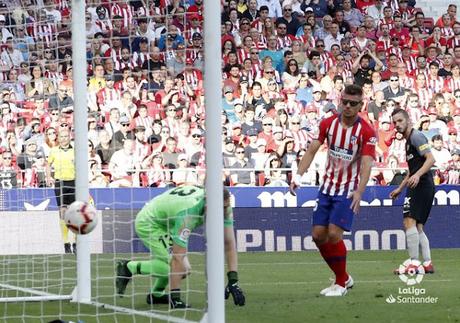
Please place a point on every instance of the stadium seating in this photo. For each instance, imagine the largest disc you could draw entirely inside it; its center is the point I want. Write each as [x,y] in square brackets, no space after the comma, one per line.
[152,57]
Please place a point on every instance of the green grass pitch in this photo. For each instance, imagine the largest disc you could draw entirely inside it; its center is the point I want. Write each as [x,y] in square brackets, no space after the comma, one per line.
[279,287]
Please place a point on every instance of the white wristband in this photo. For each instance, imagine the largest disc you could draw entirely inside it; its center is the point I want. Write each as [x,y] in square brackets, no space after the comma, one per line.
[297,179]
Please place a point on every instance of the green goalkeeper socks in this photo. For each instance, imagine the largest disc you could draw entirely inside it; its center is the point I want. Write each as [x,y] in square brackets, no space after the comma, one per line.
[156,268]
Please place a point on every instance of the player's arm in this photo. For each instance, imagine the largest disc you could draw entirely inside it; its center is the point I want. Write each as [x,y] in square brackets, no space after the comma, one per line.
[394,194]
[231,258]
[364,174]
[367,159]
[305,163]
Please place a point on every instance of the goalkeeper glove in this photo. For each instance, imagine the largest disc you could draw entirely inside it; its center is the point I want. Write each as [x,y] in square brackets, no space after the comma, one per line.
[234,289]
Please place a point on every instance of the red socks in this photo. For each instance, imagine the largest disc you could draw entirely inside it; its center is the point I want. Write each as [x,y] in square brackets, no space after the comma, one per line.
[335,256]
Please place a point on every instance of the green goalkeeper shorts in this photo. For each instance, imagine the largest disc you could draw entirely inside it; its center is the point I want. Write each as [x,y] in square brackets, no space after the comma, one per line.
[155,238]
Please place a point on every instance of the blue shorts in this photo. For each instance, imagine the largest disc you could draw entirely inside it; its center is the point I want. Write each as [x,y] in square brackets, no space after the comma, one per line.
[333,209]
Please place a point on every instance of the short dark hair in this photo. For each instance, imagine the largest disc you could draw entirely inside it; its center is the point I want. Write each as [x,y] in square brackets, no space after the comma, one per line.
[402,111]
[436,137]
[337,78]
[314,53]
[353,89]
[434,63]
[262,8]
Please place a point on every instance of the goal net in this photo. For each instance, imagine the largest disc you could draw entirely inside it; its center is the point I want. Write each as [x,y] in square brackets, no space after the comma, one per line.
[144,86]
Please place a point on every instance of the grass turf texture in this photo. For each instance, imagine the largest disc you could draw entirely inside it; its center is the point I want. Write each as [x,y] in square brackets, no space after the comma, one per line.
[279,287]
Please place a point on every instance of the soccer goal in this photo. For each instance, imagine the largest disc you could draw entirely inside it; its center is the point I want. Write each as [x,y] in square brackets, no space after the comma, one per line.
[46,273]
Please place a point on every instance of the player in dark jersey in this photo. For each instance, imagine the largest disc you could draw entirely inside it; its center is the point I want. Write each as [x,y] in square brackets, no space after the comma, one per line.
[420,188]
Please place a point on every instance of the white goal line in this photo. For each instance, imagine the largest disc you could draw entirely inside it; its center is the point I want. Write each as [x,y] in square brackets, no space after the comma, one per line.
[40,296]
[141,313]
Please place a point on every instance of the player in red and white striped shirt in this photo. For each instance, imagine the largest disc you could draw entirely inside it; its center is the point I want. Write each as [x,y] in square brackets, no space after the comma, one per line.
[351,149]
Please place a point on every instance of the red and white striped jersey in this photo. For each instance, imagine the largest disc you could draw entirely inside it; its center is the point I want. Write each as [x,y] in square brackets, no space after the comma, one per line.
[54,77]
[125,11]
[451,84]
[424,96]
[242,55]
[302,139]
[115,53]
[140,58]
[327,59]
[307,40]
[411,63]
[406,82]
[104,26]
[346,146]
[388,22]
[43,32]
[361,45]
[284,42]
[294,107]
[447,32]
[414,114]
[394,50]
[385,42]
[121,64]
[146,121]
[194,79]
[453,42]
[435,84]
[418,71]
[258,24]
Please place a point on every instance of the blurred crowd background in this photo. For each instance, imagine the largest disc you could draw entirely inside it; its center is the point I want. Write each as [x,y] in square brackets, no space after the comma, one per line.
[284,65]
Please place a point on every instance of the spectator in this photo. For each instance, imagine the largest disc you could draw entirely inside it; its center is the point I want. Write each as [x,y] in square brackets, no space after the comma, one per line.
[123,133]
[123,167]
[259,157]
[441,155]
[453,168]
[10,174]
[61,100]
[11,56]
[241,177]
[274,176]
[183,175]
[39,85]
[157,174]
[26,159]
[291,76]
[106,147]
[394,90]
[352,15]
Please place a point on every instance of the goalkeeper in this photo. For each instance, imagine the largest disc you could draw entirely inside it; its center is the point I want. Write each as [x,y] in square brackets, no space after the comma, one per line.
[164,224]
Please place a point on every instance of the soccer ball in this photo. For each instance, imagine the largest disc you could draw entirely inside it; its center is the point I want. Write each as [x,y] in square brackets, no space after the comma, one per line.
[81,217]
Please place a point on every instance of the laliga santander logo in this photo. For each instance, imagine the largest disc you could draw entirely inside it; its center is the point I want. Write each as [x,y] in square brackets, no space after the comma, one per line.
[411,272]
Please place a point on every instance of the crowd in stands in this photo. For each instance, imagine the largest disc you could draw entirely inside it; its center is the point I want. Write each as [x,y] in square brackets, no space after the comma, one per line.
[284,65]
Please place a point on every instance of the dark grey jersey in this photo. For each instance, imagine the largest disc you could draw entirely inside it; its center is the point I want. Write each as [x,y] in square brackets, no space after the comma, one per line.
[417,147]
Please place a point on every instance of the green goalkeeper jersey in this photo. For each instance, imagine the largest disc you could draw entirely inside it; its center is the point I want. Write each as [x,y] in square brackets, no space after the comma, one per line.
[179,211]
